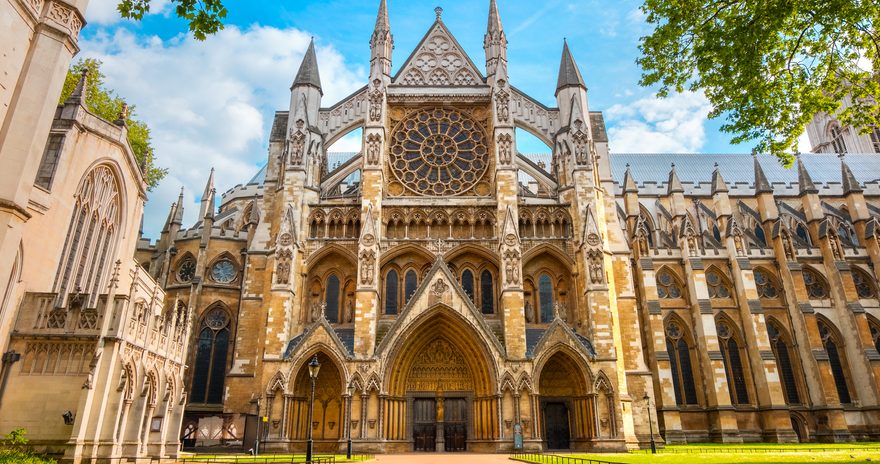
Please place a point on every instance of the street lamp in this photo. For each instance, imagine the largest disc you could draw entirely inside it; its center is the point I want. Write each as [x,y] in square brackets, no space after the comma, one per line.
[650,423]
[314,367]
[348,425]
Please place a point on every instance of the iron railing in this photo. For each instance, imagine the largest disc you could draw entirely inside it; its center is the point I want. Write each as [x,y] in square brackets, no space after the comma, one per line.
[757,450]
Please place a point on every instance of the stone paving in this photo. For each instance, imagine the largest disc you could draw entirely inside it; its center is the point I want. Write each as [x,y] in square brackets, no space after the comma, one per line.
[441,458]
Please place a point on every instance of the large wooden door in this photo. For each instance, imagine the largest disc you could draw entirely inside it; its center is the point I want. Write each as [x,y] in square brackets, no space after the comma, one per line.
[424,424]
[455,424]
[556,426]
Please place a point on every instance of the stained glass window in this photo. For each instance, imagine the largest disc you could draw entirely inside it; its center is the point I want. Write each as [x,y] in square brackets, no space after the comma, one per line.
[680,364]
[487,293]
[545,297]
[816,287]
[667,286]
[410,284]
[210,363]
[391,284]
[331,298]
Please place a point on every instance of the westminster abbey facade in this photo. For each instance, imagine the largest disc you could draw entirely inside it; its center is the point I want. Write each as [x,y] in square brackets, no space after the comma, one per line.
[459,294]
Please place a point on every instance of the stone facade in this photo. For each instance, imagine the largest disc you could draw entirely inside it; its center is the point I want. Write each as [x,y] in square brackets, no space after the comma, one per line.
[458,293]
[93,356]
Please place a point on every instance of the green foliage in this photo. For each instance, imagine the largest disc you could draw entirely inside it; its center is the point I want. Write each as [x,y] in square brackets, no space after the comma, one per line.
[205,17]
[768,65]
[109,106]
[14,451]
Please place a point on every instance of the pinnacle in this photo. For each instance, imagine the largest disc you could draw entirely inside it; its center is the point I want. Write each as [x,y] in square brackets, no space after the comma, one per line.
[308,71]
[569,74]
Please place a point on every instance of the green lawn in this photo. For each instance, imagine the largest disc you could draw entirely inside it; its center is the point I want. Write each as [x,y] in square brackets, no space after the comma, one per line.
[245,459]
[763,453]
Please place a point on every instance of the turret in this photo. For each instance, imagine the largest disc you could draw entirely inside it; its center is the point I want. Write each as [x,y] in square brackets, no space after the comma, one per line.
[675,191]
[381,46]
[571,91]
[574,143]
[630,195]
[808,193]
[720,194]
[495,45]
[766,203]
[853,193]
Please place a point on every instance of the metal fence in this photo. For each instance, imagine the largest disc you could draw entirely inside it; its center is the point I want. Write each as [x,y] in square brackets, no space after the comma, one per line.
[554,459]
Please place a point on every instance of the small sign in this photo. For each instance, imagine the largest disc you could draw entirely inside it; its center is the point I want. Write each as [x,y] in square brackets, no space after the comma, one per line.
[265,418]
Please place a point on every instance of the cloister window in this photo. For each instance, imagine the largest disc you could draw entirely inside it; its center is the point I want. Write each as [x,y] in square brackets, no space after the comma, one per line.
[864,287]
[837,141]
[92,234]
[817,289]
[803,235]
[391,285]
[545,298]
[833,348]
[717,286]
[467,283]
[487,293]
[210,363]
[667,286]
[331,298]
[186,270]
[410,284]
[782,353]
[766,287]
[680,364]
[732,357]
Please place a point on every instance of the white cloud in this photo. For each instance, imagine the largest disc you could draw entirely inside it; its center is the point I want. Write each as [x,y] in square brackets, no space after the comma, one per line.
[211,104]
[675,124]
[105,11]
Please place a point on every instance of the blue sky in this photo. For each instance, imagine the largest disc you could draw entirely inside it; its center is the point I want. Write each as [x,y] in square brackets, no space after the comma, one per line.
[210,103]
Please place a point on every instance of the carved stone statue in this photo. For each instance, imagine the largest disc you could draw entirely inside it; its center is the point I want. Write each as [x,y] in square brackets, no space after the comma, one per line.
[368,264]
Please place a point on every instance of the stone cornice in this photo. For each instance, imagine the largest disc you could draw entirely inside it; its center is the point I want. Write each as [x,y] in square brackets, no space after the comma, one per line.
[56,14]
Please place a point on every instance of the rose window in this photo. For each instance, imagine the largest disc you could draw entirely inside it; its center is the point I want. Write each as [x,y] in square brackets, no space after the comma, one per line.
[439,152]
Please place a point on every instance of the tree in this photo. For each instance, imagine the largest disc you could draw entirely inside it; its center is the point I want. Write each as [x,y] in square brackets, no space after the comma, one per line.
[768,66]
[205,17]
[105,104]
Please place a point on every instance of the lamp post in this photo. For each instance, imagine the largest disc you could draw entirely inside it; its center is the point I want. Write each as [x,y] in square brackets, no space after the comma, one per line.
[314,367]
[348,424]
[650,423]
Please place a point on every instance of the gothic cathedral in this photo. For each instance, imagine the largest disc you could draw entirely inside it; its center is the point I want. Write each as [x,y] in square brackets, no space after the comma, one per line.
[459,295]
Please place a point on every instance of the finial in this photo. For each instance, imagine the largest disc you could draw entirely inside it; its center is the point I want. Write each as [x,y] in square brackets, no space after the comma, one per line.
[627,165]
[439,12]
[673,165]
[754,152]
[842,156]
[716,165]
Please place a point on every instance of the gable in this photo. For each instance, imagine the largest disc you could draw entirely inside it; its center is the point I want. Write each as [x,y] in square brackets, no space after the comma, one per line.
[438,60]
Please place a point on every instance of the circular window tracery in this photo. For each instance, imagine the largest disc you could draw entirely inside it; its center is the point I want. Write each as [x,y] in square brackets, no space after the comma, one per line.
[186,271]
[439,152]
[223,271]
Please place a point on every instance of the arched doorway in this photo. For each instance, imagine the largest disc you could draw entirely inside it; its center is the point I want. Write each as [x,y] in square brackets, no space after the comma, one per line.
[328,413]
[440,387]
[567,411]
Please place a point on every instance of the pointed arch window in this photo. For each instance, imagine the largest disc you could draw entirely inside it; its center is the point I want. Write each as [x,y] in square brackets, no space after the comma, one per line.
[875,139]
[680,364]
[782,353]
[410,284]
[732,357]
[487,293]
[817,289]
[760,236]
[391,284]
[467,283]
[864,287]
[186,270]
[210,363]
[545,297]
[875,334]
[766,287]
[835,359]
[803,235]
[331,299]
[668,286]
[92,235]
[717,285]
[837,141]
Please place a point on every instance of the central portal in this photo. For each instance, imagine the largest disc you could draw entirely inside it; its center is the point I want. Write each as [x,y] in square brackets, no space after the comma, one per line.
[440,424]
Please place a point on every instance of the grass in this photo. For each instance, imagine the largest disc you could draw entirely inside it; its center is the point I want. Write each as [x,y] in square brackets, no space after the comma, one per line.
[246,459]
[757,453]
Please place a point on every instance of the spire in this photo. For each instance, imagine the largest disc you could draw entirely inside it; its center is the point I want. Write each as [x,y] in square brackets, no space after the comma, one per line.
[178,212]
[78,95]
[674,184]
[171,214]
[569,74]
[805,182]
[629,185]
[308,70]
[850,183]
[381,43]
[718,184]
[207,197]
[494,18]
[761,183]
